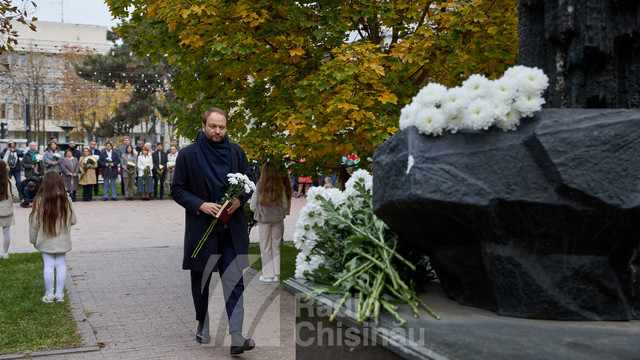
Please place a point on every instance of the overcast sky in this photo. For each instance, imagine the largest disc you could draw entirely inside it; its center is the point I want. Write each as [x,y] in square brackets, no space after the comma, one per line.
[89,12]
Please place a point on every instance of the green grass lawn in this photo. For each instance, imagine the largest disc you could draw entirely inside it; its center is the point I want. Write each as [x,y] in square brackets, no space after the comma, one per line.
[288,254]
[26,323]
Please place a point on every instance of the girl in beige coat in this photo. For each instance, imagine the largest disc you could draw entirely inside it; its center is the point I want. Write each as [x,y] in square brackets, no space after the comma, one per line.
[50,232]
[8,194]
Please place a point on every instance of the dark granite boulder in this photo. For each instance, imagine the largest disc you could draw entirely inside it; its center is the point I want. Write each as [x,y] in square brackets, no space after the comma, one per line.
[542,222]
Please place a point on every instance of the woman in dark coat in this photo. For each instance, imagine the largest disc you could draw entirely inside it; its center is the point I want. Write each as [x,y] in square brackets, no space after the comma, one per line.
[70,170]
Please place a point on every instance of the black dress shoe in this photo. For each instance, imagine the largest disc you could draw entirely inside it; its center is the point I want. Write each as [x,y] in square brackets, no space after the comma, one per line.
[202,333]
[239,344]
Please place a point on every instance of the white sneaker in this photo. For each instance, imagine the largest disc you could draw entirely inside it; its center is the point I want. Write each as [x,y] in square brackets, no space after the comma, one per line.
[47,299]
[264,279]
[4,255]
[275,278]
[59,297]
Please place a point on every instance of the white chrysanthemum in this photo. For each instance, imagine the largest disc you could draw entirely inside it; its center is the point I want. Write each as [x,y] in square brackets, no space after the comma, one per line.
[315,261]
[302,265]
[476,86]
[430,121]
[408,116]
[335,196]
[453,122]
[500,109]
[453,99]
[360,175]
[527,104]
[233,181]
[478,115]
[514,71]
[430,95]
[510,121]
[503,89]
[532,80]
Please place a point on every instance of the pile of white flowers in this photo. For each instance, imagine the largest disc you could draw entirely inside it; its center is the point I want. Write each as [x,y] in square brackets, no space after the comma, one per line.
[478,104]
[305,238]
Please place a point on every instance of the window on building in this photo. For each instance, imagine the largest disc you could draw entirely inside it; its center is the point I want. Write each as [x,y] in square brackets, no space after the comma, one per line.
[49,112]
[3,111]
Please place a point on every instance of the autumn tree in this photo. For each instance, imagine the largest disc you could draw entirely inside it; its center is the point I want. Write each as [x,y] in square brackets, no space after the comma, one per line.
[10,13]
[148,82]
[88,105]
[315,79]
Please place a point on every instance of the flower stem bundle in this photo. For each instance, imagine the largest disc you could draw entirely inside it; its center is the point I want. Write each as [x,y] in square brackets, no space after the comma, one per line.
[349,250]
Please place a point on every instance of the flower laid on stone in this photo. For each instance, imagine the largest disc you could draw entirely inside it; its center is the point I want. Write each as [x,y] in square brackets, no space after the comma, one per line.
[347,248]
[239,184]
[478,104]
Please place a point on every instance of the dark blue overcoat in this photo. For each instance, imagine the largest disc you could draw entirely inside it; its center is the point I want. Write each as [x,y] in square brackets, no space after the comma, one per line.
[188,189]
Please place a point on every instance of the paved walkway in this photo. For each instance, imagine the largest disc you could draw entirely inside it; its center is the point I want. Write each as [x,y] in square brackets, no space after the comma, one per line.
[125,268]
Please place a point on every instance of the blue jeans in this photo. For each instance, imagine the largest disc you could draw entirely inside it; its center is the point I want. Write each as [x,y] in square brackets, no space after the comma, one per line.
[109,184]
[16,174]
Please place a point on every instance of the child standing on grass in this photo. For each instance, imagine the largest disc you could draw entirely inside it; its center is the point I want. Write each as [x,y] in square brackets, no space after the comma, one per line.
[269,204]
[50,232]
[8,194]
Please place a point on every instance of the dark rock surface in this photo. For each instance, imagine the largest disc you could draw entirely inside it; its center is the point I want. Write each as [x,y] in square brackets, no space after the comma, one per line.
[542,222]
[590,49]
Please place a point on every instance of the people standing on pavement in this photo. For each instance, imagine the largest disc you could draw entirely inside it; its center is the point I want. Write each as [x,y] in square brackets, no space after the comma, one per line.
[88,175]
[109,162]
[74,149]
[52,157]
[159,171]
[31,163]
[8,194]
[70,170]
[93,150]
[145,173]
[126,141]
[128,175]
[174,142]
[12,157]
[199,182]
[139,146]
[171,163]
[50,224]
[269,206]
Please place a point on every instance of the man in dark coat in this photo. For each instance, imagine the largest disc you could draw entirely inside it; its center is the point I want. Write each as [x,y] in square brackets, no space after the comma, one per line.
[199,182]
[159,158]
[109,161]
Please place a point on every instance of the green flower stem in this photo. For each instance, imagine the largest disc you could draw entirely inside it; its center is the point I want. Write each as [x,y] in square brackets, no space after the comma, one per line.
[381,266]
[433,313]
[335,313]
[358,270]
[393,311]
[204,238]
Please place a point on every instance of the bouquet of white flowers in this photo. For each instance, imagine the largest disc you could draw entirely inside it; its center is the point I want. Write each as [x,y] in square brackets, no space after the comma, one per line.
[57,157]
[238,185]
[346,247]
[171,165]
[478,104]
[38,157]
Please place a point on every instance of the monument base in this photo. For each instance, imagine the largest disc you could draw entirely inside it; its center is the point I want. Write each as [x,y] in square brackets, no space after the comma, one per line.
[463,332]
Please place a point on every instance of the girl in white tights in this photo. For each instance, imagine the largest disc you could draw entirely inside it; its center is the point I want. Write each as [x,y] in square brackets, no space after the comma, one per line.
[8,194]
[50,232]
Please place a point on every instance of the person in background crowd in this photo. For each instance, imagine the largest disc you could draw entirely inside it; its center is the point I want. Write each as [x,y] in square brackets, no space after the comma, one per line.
[327,182]
[88,175]
[174,142]
[8,194]
[93,150]
[70,170]
[128,176]
[12,157]
[159,171]
[74,149]
[139,146]
[126,141]
[148,146]
[52,158]
[30,163]
[171,158]
[268,204]
[50,224]
[109,162]
[145,183]
[28,188]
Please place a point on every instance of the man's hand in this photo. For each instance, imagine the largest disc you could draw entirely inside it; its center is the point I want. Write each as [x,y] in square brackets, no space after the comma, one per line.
[209,208]
[234,206]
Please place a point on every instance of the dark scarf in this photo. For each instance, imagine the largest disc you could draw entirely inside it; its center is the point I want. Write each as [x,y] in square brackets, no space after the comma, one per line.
[215,163]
